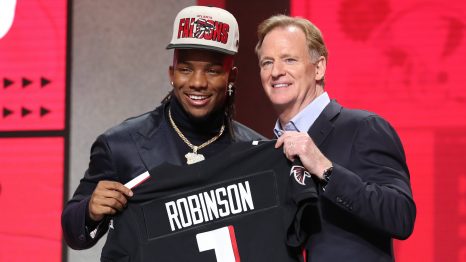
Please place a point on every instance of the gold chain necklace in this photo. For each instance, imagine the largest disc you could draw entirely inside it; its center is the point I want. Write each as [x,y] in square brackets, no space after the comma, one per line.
[193,157]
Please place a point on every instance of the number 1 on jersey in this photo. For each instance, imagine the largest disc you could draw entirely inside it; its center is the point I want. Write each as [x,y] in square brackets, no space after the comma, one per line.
[222,241]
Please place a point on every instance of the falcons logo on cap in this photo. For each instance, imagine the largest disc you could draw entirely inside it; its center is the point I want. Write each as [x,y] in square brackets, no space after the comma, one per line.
[299,173]
[203,27]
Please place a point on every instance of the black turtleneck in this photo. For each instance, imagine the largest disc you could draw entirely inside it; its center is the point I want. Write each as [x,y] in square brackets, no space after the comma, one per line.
[198,130]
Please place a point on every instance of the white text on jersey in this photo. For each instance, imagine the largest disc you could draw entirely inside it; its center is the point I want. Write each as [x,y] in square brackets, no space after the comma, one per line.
[210,205]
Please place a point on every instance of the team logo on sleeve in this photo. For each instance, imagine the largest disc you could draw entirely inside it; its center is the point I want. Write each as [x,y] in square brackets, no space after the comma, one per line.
[300,174]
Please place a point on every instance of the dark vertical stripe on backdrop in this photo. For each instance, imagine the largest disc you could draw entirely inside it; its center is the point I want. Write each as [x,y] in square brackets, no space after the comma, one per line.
[252,106]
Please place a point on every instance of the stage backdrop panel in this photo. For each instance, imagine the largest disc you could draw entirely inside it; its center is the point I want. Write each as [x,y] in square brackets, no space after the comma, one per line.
[32,67]
[33,128]
[31,197]
[405,61]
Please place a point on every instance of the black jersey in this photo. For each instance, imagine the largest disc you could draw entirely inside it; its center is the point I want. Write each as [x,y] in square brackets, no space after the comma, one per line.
[242,204]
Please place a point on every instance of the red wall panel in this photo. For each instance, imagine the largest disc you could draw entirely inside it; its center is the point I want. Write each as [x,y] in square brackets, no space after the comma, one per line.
[405,61]
[450,195]
[31,198]
[32,128]
[32,67]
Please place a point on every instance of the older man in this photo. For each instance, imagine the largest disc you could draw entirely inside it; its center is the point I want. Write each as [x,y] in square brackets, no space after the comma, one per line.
[365,195]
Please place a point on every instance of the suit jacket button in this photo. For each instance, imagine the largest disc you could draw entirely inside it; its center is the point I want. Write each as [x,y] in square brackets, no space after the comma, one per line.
[82,237]
[339,200]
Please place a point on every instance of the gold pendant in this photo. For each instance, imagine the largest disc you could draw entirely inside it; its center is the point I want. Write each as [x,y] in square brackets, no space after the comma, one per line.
[194,157]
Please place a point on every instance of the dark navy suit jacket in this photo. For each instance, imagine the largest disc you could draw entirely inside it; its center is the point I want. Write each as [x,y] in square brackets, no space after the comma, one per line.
[368,200]
[120,154]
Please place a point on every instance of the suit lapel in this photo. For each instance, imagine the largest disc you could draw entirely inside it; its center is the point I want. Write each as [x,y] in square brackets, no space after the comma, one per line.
[323,124]
[154,143]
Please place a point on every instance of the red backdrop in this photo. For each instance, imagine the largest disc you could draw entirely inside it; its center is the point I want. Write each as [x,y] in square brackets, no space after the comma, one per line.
[405,61]
[401,59]
[32,128]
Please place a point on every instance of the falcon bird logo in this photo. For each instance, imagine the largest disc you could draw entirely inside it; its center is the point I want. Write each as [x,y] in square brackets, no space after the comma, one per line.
[299,173]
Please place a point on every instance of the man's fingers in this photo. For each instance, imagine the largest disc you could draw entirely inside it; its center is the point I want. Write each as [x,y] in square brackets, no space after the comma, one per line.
[117,203]
[108,198]
[124,190]
[294,143]
[279,142]
[101,205]
[112,185]
[97,212]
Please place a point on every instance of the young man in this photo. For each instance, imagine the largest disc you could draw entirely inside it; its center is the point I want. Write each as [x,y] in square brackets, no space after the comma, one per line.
[365,196]
[194,122]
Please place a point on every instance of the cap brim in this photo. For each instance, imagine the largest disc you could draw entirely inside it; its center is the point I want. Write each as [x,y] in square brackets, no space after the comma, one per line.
[191,46]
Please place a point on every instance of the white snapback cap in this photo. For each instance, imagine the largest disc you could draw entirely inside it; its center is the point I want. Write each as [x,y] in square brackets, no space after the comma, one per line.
[204,27]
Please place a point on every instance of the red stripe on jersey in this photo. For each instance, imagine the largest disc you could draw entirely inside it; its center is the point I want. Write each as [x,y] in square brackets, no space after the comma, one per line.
[142,181]
[233,243]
